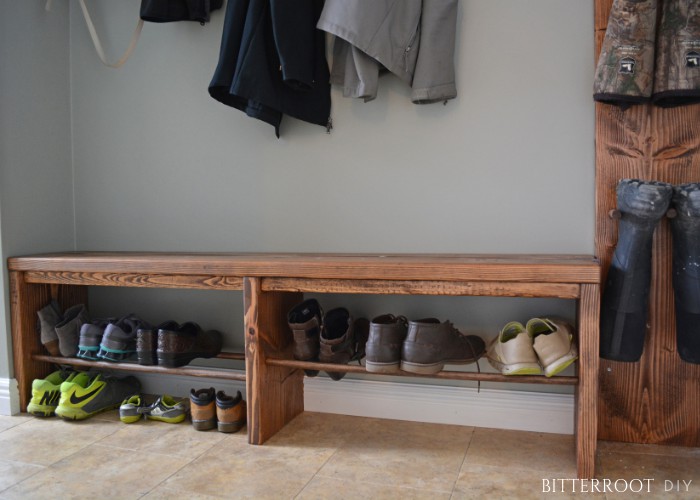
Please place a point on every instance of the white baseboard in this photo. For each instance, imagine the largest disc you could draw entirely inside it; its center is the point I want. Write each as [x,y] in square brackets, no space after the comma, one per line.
[9,396]
[527,411]
[179,385]
[518,410]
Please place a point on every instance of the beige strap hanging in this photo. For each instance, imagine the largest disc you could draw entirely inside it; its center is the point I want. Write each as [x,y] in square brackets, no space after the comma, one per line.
[96,39]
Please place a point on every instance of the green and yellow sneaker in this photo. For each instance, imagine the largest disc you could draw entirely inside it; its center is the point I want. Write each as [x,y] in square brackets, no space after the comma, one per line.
[130,410]
[166,409]
[88,394]
[46,393]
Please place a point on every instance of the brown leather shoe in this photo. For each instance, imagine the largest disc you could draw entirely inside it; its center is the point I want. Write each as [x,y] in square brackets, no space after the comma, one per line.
[305,322]
[429,345]
[231,412]
[386,336]
[179,346]
[147,342]
[202,409]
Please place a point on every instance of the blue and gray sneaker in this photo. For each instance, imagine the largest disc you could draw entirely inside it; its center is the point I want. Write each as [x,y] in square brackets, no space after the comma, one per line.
[119,340]
[91,337]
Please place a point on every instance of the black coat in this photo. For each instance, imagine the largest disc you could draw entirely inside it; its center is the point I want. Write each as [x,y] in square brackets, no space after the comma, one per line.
[273,61]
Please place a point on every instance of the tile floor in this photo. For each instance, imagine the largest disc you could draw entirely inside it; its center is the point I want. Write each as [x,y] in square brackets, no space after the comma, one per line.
[318,456]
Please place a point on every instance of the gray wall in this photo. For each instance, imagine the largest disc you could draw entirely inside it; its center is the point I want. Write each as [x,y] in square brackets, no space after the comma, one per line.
[36,179]
[507,167]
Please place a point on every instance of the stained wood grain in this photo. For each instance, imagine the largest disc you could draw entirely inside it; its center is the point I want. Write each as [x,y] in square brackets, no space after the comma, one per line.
[587,390]
[654,400]
[517,268]
[275,393]
[25,300]
[143,280]
[414,287]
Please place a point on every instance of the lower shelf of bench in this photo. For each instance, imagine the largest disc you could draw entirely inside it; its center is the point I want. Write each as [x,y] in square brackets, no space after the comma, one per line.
[445,375]
[133,367]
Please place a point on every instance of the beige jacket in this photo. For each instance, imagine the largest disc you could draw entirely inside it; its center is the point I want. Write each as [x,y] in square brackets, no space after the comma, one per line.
[414,39]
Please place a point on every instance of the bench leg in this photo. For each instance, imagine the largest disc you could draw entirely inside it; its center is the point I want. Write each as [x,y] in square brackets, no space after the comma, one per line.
[275,393]
[587,389]
[26,299]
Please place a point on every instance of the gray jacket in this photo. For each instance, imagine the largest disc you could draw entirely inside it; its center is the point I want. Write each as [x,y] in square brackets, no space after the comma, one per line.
[414,39]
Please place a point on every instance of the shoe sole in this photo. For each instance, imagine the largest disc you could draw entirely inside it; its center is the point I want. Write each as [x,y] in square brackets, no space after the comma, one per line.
[229,427]
[204,425]
[80,414]
[431,368]
[41,410]
[176,360]
[130,419]
[378,367]
[170,420]
[562,363]
[516,368]
[147,358]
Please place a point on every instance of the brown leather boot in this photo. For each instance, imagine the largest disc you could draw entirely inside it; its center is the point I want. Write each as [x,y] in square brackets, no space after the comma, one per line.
[231,412]
[430,345]
[305,322]
[386,335]
[202,409]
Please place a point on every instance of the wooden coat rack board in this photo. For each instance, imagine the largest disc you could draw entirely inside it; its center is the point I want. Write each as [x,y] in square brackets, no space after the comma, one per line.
[656,400]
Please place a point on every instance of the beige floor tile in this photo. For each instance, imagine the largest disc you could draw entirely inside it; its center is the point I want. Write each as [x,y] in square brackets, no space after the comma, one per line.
[268,471]
[483,481]
[13,472]
[667,472]
[109,415]
[48,440]
[164,493]
[99,472]
[9,422]
[313,430]
[553,453]
[160,437]
[341,489]
[397,453]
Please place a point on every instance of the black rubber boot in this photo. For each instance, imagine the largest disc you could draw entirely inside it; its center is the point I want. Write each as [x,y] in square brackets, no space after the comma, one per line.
[685,228]
[624,307]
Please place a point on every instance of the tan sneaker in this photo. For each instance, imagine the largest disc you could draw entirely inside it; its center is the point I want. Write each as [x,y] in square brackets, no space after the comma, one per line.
[511,352]
[553,343]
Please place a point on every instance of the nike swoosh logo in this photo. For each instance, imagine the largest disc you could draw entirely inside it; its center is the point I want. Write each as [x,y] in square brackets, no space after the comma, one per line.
[79,399]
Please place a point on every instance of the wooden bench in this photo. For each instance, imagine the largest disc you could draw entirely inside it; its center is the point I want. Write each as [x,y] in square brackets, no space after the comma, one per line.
[273,283]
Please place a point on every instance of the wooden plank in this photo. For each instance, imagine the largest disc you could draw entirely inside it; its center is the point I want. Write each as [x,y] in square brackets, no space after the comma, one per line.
[136,368]
[587,391]
[26,299]
[654,400]
[448,267]
[443,375]
[143,280]
[275,393]
[493,289]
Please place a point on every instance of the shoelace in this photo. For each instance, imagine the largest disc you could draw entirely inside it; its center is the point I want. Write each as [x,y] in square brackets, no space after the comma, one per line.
[465,340]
